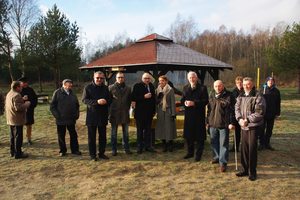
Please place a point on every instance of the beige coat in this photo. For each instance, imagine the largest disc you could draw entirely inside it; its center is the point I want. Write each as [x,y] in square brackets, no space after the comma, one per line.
[15,109]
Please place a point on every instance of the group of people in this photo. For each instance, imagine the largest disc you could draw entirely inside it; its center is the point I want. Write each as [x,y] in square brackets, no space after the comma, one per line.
[245,110]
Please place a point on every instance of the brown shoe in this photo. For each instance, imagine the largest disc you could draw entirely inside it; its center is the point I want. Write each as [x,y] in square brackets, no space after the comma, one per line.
[214,161]
[222,168]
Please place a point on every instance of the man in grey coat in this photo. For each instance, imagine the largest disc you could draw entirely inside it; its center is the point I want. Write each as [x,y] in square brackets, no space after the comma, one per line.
[250,109]
[64,107]
[119,111]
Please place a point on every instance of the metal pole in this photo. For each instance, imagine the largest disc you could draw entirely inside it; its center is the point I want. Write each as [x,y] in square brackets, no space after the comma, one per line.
[235,150]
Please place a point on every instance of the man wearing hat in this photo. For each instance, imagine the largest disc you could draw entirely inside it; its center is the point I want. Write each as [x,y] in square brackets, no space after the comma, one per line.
[64,107]
[28,94]
[273,100]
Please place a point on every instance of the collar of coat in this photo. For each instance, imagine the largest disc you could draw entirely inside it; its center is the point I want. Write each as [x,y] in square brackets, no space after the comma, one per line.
[252,93]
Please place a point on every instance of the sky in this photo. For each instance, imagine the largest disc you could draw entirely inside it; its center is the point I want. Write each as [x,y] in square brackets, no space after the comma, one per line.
[105,19]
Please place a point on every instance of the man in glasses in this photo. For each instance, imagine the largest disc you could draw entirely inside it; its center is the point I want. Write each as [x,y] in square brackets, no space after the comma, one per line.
[119,111]
[97,98]
[143,95]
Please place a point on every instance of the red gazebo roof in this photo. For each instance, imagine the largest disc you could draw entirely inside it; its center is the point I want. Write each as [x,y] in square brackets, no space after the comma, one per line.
[156,50]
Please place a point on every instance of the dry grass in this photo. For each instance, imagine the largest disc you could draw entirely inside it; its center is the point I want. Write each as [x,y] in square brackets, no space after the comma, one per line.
[45,175]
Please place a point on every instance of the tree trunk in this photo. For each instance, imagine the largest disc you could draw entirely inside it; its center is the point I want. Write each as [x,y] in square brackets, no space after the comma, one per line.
[298,79]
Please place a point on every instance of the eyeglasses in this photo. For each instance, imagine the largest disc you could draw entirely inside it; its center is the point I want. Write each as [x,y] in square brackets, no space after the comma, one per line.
[120,77]
[146,78]
[99,78]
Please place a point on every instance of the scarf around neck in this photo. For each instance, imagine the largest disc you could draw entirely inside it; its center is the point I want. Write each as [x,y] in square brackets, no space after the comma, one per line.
[165,91]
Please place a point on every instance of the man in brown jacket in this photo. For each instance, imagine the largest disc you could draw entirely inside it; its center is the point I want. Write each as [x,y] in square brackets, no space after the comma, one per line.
[16,118]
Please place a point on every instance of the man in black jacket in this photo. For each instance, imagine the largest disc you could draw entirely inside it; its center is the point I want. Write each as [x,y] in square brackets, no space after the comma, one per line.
[64,107]
[28,94]
[236,92]
[220,118]
[194,99]
[273,100]
[143,95]
[97,98]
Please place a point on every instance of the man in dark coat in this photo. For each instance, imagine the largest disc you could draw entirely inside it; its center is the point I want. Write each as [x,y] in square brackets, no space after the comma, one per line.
[119,111]
[64,107]
[273,100]
[220,118]
[194,99]
[236,92]
[97,98]
[28,94]
[143,95]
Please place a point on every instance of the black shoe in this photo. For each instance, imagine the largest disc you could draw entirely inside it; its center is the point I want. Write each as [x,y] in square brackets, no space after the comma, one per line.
[103,156]
[240,174]
[23,155]
[252,177]
[170,149]
[150,150]
[29,142]
[114,153]
[165,149]
[197,159]
[139,151]
[128,152]
[78,153]
[269,147]
[94,158]
[62,154]
[260,147]
[188,156]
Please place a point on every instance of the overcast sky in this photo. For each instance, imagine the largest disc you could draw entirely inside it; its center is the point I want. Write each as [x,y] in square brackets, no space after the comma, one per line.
[107,18]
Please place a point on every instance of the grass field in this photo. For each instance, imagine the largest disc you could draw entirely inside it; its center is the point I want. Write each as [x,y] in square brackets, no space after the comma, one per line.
[45,175]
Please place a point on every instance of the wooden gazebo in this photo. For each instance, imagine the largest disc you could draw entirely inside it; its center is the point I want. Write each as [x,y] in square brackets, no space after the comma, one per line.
[157,54]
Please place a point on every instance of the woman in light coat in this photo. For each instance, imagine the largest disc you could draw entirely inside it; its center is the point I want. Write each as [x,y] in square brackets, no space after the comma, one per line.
[166,114]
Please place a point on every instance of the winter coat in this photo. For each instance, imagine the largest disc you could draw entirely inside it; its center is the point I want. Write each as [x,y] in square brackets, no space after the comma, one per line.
[120,104]
[165,125]
[15,109]
[273,100]
[220,110]
[252,108]
[194,122]
[96,114]
[64,107]
[144,108]
[2,102]
[33,103]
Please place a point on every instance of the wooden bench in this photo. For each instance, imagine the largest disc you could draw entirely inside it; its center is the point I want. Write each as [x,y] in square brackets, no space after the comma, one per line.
[43,98]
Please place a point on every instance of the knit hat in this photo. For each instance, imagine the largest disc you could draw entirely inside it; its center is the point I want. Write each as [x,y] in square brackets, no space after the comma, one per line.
[270,78]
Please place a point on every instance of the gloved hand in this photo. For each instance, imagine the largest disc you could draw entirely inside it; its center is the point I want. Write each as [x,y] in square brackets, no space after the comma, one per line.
[173,118]
[160,95]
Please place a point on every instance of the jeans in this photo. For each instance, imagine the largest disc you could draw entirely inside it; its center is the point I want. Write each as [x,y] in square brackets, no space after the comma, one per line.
[114,134]
[219,139]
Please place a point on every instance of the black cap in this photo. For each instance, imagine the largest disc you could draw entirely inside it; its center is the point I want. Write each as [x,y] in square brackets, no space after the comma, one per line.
[23,79]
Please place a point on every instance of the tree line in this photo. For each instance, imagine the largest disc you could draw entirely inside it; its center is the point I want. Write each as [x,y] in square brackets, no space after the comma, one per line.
[47,47]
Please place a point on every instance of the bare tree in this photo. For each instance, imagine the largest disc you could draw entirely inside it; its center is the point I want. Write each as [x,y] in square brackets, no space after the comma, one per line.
[22,15]
[149,30]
